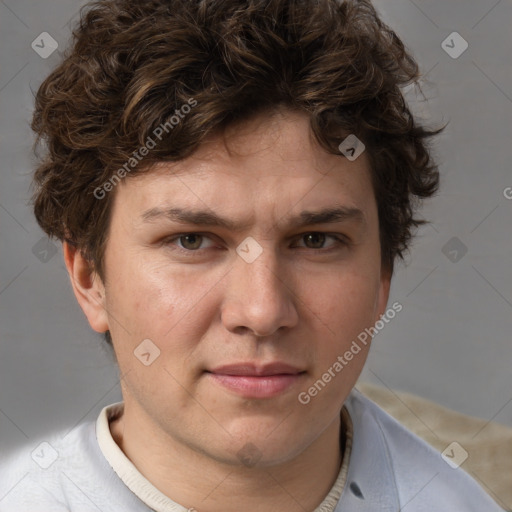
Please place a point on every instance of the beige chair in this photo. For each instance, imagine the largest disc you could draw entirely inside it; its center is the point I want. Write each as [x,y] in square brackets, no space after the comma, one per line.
[489,444]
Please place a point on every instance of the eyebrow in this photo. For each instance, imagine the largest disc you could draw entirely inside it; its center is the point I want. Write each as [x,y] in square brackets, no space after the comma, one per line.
[205,218]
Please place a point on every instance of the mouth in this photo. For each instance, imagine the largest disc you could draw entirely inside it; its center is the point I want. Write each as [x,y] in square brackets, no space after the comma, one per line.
[257,381]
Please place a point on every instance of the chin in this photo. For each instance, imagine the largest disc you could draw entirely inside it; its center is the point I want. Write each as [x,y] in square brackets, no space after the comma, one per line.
[263,447]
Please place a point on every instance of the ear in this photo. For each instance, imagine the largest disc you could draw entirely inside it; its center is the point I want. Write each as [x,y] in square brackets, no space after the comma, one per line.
[87,286]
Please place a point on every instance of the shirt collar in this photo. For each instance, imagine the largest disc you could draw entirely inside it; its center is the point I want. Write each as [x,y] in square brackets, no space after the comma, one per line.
[370,483]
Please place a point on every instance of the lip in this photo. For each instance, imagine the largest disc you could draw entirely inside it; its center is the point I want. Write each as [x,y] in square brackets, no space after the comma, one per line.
[256,381]
[254,370]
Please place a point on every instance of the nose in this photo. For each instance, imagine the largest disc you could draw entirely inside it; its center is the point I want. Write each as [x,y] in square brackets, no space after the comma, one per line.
[259,297]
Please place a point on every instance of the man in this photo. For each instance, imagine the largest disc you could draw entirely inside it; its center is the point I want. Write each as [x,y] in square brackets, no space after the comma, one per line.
[232,182]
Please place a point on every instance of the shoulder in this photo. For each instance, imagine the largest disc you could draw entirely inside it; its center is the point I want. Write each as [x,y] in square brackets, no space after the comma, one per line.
[36,473]
[62,472]
[424,480]
[31,474]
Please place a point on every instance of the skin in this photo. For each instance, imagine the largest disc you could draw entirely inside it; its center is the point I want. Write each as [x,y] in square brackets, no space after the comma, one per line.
[302,301]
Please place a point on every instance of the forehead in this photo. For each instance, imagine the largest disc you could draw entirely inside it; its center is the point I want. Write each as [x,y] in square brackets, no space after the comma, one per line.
[269,163]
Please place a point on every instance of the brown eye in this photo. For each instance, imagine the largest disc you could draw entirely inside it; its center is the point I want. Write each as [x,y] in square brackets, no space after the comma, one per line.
[314,240]
[191,241]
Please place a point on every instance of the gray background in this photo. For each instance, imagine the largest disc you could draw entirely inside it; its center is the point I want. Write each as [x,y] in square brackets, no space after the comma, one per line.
[451,343]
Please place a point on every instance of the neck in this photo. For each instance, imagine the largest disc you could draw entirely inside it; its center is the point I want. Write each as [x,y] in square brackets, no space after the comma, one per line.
[195,480]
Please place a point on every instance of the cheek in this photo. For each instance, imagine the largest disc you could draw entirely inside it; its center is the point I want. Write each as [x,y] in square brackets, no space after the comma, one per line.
[345,308]
[171,308]
[141,305]
[346,303]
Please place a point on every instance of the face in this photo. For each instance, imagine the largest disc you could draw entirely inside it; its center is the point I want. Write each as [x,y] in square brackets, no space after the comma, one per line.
[249,312]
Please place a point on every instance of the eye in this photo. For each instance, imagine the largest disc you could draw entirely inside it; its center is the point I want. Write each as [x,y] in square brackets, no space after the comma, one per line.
[316,240]
[188,241]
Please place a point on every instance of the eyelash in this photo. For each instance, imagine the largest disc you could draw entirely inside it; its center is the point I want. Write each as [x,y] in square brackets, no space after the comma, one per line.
[340,241]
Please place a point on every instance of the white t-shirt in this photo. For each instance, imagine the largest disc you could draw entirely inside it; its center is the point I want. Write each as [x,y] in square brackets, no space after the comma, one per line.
[385,468]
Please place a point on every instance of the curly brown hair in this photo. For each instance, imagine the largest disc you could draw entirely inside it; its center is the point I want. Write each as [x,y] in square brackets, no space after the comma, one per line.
[133,65]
